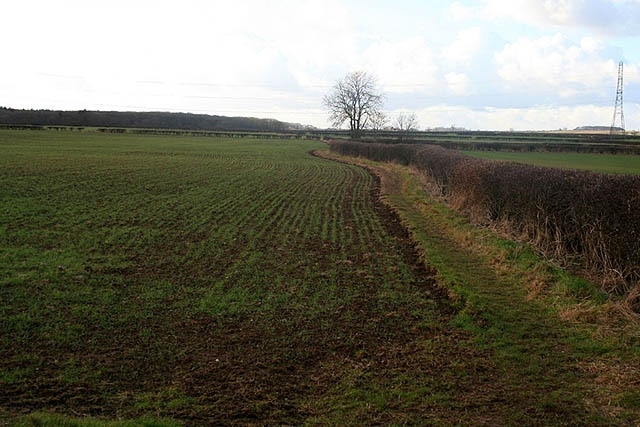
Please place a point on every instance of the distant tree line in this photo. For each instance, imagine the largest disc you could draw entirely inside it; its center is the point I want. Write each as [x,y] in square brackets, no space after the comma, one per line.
[148,120]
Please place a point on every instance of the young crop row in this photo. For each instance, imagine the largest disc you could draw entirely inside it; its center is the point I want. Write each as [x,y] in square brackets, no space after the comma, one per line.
[226,274]
[572,215]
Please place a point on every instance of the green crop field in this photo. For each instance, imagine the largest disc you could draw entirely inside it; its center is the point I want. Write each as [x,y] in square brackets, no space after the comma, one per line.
[232,280]
[608,163]
[181,280]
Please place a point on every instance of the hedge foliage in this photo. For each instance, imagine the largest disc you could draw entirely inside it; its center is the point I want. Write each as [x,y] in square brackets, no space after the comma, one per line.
[592,217]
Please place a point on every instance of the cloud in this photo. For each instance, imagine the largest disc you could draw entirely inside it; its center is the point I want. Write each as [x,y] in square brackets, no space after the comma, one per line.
[604,16]
[402,66]
[459,12]
[458,83]
[466,45]
[555,65]
[318,36]
[538,118]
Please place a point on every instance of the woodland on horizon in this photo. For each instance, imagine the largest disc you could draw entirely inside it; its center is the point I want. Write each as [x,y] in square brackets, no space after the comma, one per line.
[131,119]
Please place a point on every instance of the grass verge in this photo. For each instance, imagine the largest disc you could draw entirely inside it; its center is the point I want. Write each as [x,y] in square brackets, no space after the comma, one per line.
[557,341]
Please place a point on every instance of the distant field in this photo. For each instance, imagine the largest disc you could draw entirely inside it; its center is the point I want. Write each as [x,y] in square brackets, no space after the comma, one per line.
[608,163]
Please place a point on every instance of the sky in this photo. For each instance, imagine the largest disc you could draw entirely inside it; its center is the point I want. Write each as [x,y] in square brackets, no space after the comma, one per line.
[477,64]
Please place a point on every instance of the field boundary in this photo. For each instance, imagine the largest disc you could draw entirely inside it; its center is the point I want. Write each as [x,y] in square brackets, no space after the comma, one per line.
[584,219]
[536,318]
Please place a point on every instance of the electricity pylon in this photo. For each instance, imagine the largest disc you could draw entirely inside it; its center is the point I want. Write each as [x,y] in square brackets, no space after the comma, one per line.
[617,111]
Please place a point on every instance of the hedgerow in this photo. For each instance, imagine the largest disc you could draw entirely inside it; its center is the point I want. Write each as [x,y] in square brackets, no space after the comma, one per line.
[582,216]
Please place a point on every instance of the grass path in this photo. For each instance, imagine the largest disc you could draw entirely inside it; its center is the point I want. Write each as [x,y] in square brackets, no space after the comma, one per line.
[549,370]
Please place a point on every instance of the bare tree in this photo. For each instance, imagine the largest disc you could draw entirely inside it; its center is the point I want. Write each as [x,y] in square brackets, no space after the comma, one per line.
[356,99]
[406,122]
[378,121]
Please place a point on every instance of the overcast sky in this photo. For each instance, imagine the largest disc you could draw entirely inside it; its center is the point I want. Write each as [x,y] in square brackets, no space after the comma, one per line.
[479,64]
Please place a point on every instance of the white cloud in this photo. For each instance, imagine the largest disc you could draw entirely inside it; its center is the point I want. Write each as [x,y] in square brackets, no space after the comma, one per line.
[458,83]
[554,63]
[316,35]
[519,10]
[539,118]
[604,16]
[460,12]
[466,45]
[591,45]
[402,66]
